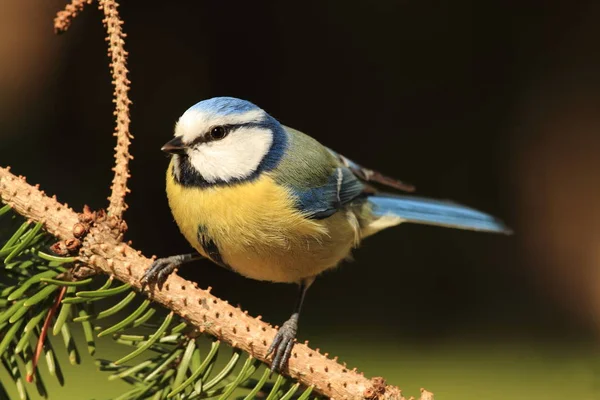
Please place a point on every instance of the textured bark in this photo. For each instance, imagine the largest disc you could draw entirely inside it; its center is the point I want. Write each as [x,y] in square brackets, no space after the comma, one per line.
[32,203]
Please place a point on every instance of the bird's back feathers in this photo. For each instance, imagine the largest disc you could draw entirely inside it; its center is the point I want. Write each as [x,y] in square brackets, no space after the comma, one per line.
[317,180]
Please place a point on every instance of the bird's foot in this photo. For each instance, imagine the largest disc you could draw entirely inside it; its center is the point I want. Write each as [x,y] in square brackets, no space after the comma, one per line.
[283,343]
[160,270]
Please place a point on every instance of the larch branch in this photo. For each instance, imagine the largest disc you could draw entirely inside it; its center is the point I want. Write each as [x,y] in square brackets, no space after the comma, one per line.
[103,250]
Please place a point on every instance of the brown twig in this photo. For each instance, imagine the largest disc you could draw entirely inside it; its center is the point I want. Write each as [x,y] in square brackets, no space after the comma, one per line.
[103,250]
[44,333]
[118,65]
[115,38]
[63,18]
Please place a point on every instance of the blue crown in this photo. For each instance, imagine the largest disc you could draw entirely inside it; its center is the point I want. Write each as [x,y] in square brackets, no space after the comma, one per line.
[224,106]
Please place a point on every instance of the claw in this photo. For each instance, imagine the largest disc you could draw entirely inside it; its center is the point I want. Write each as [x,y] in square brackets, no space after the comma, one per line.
[283,343]
[275,344]
[159,271]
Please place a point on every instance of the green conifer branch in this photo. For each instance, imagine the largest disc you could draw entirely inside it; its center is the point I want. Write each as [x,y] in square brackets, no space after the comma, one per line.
[29,310]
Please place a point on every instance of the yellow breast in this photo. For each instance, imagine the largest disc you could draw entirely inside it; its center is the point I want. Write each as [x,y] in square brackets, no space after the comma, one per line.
[258,231]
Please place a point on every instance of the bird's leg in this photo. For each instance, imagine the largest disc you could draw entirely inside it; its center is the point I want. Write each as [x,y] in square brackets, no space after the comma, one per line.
[285,337]
[161,268]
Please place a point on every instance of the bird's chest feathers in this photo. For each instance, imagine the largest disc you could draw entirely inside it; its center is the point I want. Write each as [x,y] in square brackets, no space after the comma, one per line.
[257,216]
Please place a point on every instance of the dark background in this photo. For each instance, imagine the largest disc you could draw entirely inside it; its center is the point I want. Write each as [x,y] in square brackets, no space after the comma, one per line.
[493,104]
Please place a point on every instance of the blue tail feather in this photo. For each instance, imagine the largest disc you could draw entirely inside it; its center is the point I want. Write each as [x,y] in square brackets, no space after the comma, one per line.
[435,212]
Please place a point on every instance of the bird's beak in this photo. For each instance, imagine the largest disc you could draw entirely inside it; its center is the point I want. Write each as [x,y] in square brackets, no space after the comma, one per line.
[174,146]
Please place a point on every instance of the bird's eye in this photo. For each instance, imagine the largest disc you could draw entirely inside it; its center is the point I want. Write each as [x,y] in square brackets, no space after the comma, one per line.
[218,133]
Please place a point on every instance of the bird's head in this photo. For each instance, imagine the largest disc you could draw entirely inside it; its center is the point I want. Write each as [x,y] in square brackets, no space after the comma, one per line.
[224,140]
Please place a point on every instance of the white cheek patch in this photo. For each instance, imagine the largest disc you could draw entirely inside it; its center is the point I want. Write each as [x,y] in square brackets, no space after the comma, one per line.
[236,156]
[194,123]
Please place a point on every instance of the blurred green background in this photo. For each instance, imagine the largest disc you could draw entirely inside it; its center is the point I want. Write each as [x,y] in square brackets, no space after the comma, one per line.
[493,104]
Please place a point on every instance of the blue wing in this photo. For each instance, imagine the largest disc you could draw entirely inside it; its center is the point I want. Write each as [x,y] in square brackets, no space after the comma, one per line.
[323,201]
[435,212]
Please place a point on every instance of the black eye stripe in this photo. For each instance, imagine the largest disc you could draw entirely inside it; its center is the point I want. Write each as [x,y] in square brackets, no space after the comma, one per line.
[206,137]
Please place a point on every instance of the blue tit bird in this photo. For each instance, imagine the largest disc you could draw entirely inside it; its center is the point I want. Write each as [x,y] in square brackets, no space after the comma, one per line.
[273,204]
